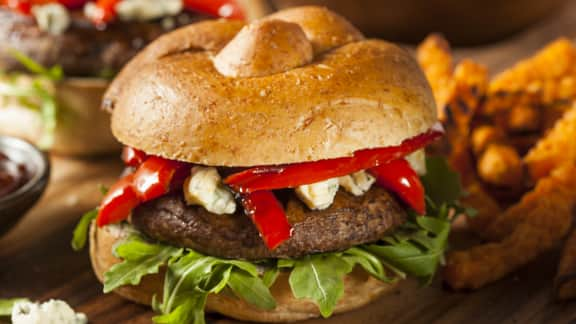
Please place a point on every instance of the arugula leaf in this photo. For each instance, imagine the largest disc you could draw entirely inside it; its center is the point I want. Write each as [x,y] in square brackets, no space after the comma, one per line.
[251,289]
[37,94]
[416,252]
[368,261]
[140,258]
[191,310]
[54,73]
[441,183]
[270,276]
[80,235]
[6,305]
[320,278]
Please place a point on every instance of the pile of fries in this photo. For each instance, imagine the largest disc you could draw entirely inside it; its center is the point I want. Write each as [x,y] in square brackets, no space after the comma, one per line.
[513,140]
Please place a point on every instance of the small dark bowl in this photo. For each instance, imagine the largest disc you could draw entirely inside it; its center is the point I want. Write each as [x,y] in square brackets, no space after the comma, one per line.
[14,205]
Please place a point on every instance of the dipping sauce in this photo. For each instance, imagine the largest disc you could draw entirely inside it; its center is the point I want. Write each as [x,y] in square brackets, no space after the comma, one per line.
[13,175]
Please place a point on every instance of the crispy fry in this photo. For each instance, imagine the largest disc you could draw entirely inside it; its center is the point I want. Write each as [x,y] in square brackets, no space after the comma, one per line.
[557,147]
[502,102]
[484,135]
[553,62]
[469,86]
[541,228]
[436,60]
[487,208]
[500,165]
[559,186]
[523,118]
[565,282]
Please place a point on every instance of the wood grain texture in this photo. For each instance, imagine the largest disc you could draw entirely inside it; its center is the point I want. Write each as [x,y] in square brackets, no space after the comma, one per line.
[36,260]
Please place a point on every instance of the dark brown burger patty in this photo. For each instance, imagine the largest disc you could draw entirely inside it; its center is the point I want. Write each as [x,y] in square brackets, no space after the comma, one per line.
[348,221]
[82,50]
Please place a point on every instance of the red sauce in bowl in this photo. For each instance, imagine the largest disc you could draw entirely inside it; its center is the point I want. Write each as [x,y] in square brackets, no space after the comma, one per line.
[13,175]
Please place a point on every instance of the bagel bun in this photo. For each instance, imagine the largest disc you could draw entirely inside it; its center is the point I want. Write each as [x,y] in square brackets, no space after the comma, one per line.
[359,288]
[300,85]
[82,128]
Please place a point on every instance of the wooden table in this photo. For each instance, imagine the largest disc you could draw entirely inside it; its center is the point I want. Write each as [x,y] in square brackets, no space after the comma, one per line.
[36,260]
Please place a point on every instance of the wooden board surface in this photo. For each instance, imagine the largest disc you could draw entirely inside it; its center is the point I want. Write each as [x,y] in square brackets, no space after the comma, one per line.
[36,260]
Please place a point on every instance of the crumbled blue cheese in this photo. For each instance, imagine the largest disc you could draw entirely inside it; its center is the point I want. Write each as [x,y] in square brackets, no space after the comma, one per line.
[417,161]
[53,17]
[357,183]
[204,187]
[318,195]
[142,10]
[50,312]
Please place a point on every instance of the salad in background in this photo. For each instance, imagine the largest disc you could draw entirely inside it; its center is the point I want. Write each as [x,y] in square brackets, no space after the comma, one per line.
[57,57]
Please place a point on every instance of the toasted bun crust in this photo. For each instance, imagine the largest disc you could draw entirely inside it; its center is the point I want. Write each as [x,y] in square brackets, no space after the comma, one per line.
[360,288]
[82,127]
[299,85]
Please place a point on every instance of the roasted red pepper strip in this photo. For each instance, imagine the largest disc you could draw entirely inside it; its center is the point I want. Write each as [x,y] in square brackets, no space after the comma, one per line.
[268,215]
[217,8]
[293,175]
[105,12]
[118,202]
[21,6]
[133,157]
[154,176]
[72,4]
[399,177]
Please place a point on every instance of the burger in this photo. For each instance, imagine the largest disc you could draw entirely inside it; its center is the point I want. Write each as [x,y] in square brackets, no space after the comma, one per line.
[274,172]
[58,56]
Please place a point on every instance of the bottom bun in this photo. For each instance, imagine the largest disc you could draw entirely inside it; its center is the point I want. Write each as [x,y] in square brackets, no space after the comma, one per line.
[82,129]
[359,288]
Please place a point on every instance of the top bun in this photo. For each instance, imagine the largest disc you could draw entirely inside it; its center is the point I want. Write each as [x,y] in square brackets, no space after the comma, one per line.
[299,85]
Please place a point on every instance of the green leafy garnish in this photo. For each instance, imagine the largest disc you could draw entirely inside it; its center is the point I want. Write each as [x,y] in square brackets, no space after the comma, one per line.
[416,249]
[80,235]
[35,92]
[251,289]
[443,188]
[320,278]
[140,258]
[6,305]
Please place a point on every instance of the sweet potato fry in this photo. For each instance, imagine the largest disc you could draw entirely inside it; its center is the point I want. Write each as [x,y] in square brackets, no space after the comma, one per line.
[559,186]
[565,283]
[557,147]
[487,208]
[469,86]
[539,229]
[484,135]
[500,165]
[435,58]
[524,118]
[553,62]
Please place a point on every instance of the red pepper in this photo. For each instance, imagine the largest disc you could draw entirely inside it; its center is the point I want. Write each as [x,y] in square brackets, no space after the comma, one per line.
[105,12]
[118,202]
[268,215]
[293,175]
[22,6]
[25,6]
[73,4]
[217,8]
[133,157]
[399,177]
[154,176]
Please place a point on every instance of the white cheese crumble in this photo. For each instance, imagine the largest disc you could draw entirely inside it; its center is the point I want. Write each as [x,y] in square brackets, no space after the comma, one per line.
[357,183]
[142,10]
[53,17]
[417,161]
[204,187]
[50,312]
[319,195]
